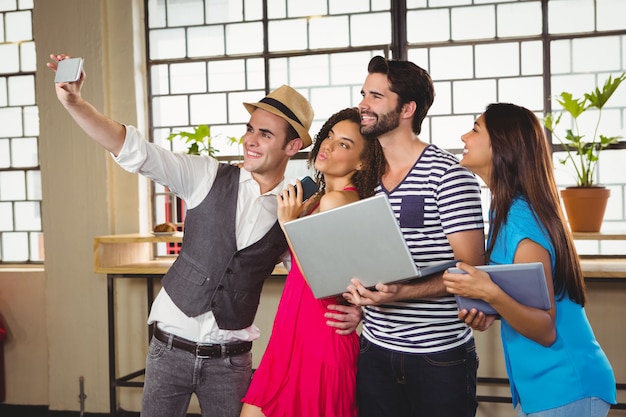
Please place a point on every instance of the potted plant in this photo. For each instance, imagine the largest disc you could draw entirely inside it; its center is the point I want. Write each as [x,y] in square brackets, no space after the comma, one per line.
[200,141]
[582,152]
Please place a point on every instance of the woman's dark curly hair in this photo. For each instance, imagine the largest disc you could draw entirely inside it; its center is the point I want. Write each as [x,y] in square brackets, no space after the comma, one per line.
[374,163]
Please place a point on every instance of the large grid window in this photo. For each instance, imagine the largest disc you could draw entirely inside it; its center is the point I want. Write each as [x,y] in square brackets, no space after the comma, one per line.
[207,56]
[21,237]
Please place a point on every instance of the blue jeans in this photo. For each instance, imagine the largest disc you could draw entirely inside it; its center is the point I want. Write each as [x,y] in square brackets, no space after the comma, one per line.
[395,384]
[585,407]
[172,375]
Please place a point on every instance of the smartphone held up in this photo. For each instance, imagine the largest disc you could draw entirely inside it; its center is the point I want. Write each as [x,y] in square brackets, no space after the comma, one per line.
[68,70]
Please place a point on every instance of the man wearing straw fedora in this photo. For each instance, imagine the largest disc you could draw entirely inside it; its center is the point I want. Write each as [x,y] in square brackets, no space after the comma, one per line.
[203,316]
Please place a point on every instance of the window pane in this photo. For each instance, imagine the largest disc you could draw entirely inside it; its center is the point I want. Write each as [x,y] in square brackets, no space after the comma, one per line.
[223,11]
[188,12]
[31,120]
[532,58]
[298,8]
[352,6]
[14,247]
[33,185]
[156,13]
[253,9]
[276,9]
[428,25]
[7,5]
[5,152]
[10,61]
[27,216]
[349,68]
[28,59]
[36,247]
[197,41]
[440,59]
[24,153]
[236,112]
[12,186]
[159,79]
[19,26]
[167,43]
[21,90]
[327,32]
[527,92]
[361,31]
[482,20]
[519,19]
[472,96]
[324,100]
[10,122]
[188,78]
[443,99]
[305,71]
[447,130]
[170,111]
[255,69]
[227,75]
[208,109]
[6,217]
[595,54]
[500,59]
[244,38]
[4,99]
[611,14]
[297,39]
[570,16]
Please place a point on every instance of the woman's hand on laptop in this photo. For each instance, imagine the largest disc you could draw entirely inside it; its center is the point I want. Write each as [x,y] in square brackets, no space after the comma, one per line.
[344,318]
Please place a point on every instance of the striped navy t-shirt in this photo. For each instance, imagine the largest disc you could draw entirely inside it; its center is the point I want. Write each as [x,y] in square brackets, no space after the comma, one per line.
[438,197]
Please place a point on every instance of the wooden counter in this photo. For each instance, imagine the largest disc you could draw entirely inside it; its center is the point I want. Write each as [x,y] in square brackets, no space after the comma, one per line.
[134,254]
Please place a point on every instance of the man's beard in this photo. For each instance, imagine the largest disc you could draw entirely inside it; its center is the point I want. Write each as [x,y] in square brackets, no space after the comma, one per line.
[385,123]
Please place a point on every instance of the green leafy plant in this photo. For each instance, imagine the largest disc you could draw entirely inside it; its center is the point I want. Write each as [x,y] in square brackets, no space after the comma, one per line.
[583,151]
[199,141]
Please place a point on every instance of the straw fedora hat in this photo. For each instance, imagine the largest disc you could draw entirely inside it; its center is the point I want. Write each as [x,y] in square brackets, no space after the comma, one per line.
[287,103]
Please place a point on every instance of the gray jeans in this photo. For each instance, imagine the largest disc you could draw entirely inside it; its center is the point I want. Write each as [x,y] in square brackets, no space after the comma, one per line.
[172,375]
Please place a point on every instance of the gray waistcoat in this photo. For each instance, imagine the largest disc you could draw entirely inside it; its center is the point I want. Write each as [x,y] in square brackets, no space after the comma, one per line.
[210,274]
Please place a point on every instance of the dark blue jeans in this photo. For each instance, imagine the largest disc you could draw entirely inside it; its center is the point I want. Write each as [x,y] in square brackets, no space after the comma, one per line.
[173,375]
[395,384]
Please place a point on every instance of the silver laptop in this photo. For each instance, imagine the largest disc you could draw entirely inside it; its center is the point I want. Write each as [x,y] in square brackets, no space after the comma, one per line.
[360,240]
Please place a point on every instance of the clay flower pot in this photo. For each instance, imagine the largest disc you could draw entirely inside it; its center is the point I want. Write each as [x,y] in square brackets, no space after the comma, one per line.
[585,207]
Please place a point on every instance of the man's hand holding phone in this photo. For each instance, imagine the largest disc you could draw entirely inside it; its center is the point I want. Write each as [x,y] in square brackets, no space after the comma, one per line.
[68,70]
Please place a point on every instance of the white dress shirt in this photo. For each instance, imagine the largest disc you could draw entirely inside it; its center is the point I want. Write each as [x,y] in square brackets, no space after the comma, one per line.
[191,178]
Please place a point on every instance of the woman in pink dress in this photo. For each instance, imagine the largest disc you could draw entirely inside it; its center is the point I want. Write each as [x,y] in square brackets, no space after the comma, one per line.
[309,368]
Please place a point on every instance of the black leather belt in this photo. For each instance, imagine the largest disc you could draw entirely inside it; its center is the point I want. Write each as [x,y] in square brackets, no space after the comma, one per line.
[203,350]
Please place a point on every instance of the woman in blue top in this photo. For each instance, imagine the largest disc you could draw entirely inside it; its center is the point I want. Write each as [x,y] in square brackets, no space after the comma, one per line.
[554,363]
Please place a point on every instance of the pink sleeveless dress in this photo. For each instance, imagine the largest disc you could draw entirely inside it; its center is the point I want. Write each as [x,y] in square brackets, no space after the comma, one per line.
[307,370]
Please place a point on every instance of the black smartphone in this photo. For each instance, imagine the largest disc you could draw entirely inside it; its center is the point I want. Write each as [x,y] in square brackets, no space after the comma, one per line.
[309,187]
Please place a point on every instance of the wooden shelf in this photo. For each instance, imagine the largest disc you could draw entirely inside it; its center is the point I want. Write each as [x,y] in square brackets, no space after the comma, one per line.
[133,254]
[599,236]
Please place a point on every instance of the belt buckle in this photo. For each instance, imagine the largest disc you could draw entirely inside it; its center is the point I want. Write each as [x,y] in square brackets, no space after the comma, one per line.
[198,355]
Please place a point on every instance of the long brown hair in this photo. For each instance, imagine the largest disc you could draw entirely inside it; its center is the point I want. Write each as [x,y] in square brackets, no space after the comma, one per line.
[374,163]
[522,165]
